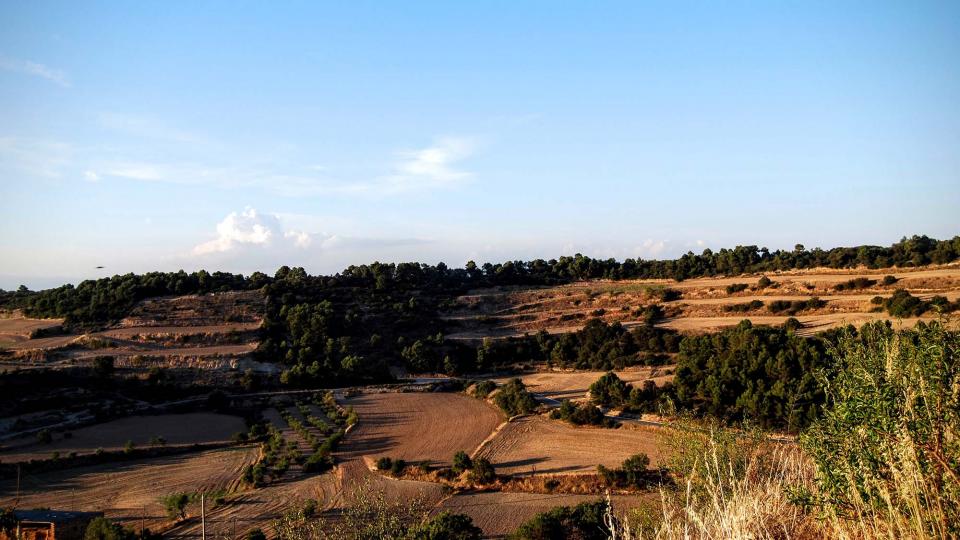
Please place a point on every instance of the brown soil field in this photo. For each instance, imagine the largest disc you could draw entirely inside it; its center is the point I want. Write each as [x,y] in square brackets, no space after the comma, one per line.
[414,426]
[537,445]
[127,491]
[15,328]
[575,385]
[177,429]
[499,514]
[418,426]
[514,311]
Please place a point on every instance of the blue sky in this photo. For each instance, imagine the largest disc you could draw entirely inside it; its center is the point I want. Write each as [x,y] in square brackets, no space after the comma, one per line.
[242,136]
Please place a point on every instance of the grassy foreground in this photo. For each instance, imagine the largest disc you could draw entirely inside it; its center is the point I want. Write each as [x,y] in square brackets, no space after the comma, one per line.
[882,462]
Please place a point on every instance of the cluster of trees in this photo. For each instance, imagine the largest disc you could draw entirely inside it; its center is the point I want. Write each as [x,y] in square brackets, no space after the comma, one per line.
[581,522]
[598,345]
[904,304]
[110,299]
[634,472]
[796,306]
[611,391]
[766,374]
[513,398]
[580,415]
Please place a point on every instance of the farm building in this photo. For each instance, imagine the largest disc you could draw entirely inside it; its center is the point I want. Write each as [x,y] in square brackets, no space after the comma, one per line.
[47,525]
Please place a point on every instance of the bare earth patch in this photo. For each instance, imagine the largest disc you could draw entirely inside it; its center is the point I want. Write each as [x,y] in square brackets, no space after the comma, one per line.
[536,445]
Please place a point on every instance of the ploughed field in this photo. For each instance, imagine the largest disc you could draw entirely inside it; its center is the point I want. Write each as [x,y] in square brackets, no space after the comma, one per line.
[704,304]
[537,445]
[211,331]
[173,429]
[129,491]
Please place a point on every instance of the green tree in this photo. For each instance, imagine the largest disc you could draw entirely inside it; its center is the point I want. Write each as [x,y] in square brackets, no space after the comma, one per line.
[103,529]
[446,526]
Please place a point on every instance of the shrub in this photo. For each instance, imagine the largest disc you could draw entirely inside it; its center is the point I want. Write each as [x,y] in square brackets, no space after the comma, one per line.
[483,388]
[889,280]
[256,534]
[101,528]
[888,443]
[176,505]
[461,462]
[446,526]
[736,287]
[483,471]
[384,463]
[582,522]
[44,436]
[513,398]
[858,283]
[764,282]
[609,390]
[397,467]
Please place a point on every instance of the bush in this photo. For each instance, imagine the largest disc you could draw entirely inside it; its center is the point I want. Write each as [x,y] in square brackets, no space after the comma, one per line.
[101,528]
[764,282]
[483,471]
[397,467]
[446,526]
[582,522]
[513,398]
[609,390]
[887,447]
[889,280]
[384,463]
[483,388]
[461,462]
[736,287]
[256,534]
[176,505]
[858,283]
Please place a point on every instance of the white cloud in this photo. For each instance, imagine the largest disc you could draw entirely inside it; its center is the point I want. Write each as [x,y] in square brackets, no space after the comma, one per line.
[434,166]
[136,171]
[300,239]
[91,176]
[55,76]
[35,156]
[651,248]
[237,229]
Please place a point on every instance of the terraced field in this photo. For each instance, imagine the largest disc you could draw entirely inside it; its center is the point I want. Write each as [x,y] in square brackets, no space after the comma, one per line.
[704,304]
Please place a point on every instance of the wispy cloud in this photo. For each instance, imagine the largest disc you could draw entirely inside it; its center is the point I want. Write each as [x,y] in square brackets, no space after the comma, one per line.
[35,157]
[433,166]
[55,76]
[148,127]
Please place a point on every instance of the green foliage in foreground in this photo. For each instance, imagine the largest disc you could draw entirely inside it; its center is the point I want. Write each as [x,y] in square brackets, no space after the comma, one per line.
[889,439]
[581,522]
